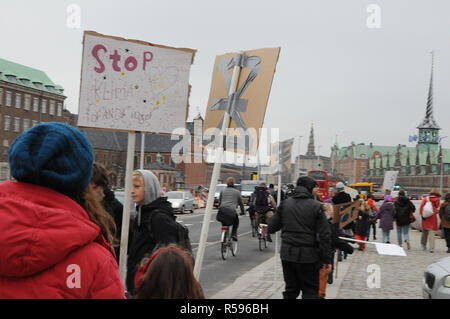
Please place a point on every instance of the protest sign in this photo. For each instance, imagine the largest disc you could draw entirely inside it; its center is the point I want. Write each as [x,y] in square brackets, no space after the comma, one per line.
[133,85]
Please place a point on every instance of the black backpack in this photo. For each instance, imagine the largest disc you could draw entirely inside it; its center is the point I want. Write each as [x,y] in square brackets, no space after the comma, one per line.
[261,197]
[182,233]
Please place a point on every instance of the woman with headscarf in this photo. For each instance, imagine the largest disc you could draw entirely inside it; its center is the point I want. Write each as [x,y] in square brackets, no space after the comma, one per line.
[154,225]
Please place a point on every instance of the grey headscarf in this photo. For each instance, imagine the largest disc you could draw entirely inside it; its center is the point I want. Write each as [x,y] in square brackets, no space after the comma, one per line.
[152,189]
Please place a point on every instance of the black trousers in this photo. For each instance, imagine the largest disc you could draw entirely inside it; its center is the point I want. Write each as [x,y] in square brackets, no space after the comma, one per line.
[235,226]
[300,277]
[447,236]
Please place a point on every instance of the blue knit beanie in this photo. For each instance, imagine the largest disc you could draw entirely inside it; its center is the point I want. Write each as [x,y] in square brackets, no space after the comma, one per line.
[54,155]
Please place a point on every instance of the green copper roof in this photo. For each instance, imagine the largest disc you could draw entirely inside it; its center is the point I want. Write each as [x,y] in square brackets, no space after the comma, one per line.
[28,77]
[378,155]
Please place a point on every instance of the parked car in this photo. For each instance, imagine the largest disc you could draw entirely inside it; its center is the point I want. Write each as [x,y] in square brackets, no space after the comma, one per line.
[436,281]
[181,201]
[414,197]
[120,195]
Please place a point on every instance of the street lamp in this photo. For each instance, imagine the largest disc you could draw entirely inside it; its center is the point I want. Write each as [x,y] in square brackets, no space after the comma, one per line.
[318,156]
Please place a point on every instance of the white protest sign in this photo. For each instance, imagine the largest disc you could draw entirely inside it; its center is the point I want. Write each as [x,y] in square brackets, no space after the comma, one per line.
[390,177]
[382,249]
[390,249]
[133,85]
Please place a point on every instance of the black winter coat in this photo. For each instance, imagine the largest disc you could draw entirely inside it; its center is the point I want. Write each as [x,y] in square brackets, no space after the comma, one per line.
[305,232]
[403,207]
[115,209]
[158,217]
[362,225]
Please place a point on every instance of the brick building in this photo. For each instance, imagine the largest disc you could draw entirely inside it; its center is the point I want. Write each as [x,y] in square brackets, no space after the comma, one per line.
[27,97]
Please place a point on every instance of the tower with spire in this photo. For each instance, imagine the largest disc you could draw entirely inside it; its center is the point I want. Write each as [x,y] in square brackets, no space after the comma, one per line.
[310,151]
[428,128]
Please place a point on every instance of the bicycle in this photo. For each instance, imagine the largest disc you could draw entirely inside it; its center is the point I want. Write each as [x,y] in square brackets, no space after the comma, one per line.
[227,244]
[262,232]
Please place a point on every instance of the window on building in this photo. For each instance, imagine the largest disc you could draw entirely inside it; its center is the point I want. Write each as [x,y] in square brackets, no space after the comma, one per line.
[17,124]
[105,159]
[27,102]
[112,159]
[34,123]
[4,173]
[59,109]
[8,101]
[1,96]
[18,100]
[149,159]
[44,106]
[26,124]
[7,123]
[51,110]
[35,104]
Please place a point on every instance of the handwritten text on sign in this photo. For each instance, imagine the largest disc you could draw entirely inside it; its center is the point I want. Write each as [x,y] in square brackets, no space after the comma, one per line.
[132,86]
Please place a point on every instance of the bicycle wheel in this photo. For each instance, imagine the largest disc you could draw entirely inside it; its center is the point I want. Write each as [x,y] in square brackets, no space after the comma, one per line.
[233,247]
[224,245]
[262,243]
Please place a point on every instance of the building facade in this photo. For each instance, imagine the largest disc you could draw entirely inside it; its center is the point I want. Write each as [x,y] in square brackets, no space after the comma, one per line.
[27,97]
[421,167]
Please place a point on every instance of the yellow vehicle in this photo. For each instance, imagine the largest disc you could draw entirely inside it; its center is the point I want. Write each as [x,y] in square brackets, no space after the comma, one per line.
[363,189]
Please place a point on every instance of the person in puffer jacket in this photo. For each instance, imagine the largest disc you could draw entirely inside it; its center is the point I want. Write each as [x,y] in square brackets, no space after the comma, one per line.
[55,237]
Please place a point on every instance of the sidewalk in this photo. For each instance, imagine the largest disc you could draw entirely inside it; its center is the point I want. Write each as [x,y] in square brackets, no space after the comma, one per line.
[266,282]
[401,277]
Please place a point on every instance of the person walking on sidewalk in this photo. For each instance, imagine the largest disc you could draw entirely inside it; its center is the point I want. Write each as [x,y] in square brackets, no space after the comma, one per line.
[444,214]
[430,224]
[403,210]
[56,238]
[372,217]
[362,223]
[306,240]
[386,217]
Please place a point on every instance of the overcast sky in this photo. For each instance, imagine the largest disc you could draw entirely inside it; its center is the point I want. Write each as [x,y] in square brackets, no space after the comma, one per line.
[358,83]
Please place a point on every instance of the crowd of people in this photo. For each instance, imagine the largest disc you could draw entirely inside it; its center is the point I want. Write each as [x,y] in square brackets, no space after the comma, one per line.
[61,227]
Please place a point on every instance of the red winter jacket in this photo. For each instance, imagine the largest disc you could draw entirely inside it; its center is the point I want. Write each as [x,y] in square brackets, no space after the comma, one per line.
[430,222]
[50,249]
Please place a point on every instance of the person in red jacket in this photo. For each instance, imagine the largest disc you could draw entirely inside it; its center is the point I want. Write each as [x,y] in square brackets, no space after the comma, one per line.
[430,224]
[372,217]
[55,237]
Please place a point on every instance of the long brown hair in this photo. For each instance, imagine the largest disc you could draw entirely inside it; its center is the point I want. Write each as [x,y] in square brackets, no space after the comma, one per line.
[97,214]
[169,276]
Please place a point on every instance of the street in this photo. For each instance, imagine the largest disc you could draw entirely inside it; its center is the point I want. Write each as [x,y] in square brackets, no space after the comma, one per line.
[216,273]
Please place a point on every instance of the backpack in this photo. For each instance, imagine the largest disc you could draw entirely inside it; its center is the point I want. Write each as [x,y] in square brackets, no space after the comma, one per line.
[182,233]
[372,215]
[427,209]
[261,197]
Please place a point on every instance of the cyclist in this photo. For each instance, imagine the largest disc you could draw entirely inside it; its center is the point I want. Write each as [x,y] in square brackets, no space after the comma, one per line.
[229,199]
[264,204]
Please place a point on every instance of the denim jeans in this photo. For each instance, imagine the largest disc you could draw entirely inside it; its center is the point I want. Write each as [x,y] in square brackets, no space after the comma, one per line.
[374,226]
[402,230]
[386,234]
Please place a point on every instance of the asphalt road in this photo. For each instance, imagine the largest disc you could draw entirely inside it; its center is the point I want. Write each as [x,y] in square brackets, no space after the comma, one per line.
[216,273]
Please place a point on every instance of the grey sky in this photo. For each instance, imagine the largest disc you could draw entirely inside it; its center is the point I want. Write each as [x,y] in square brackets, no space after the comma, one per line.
[361,84]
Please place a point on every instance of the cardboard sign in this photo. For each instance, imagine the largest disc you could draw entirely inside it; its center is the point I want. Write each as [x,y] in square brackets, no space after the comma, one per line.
[346,213]
[254,94]
[280,156]
[390,177]
[133,85]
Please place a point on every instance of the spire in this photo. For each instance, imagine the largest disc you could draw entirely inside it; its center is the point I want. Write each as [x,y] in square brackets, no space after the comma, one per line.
[311,142]
[428,121]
